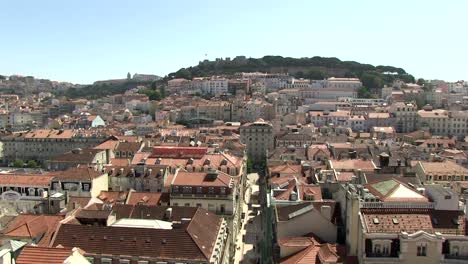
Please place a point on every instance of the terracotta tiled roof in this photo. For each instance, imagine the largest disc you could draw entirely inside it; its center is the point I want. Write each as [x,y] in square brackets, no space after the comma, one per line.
[139,157]
[413,220]
[344,176]
[200,179]
[79,156]
[78,202]
[352,164]
[109,144]
[147,198]
[328,253]
[33,180]
[302,189]
[46,133]
[128,146]
[443,168]
[297,241]
[194,241]
[92,214]
[286,168]
[113,196]
[178,152]
[34,226]
[305,256]
[43,255]
[78,173]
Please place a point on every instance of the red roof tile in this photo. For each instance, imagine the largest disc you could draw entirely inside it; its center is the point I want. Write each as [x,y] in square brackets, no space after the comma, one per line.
[43,255]
[38,180]
[147,198]
[200,179]
[34,226]
[178,152]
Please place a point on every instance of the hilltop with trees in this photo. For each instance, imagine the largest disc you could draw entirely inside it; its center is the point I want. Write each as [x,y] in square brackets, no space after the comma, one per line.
[315,68]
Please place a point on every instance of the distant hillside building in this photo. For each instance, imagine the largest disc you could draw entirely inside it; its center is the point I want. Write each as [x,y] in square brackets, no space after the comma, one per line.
[145,77]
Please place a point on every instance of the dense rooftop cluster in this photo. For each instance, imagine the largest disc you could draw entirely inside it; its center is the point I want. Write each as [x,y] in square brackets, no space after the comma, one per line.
[235,168]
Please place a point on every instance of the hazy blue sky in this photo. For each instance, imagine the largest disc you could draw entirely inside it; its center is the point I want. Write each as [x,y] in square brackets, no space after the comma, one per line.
[83,41]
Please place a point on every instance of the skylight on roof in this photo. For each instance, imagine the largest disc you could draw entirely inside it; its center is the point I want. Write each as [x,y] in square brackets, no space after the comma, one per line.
[395,221]
[376,220]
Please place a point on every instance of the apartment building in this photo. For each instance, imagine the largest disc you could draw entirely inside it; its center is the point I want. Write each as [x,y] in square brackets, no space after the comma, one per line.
[338,118]
[405,116]
[442,122]
[43,144]
[440,172]
[346,83]
[215,86]
[146,234]
[212,190]
[259,139]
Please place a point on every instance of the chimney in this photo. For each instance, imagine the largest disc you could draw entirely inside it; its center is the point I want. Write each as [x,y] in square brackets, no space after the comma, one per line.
[384,160]
[326,211]
[293,196]
[168,214]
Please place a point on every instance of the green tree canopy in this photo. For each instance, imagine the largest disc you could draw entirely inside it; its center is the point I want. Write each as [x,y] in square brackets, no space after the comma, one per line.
[371,80]
[364,92]
[421,81]
[18,163]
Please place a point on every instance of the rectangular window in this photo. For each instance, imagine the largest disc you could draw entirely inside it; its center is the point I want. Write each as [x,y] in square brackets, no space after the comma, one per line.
[422,250]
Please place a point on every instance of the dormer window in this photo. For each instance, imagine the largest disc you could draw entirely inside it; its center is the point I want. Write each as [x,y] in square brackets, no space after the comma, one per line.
[422,250]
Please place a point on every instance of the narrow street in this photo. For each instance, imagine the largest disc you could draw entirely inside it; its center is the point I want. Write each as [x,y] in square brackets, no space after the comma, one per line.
[250,234]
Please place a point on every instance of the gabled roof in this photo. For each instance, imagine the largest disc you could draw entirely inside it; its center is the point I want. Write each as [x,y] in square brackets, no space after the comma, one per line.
[286,168]
[394,190]
[305,256]
[34,226]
